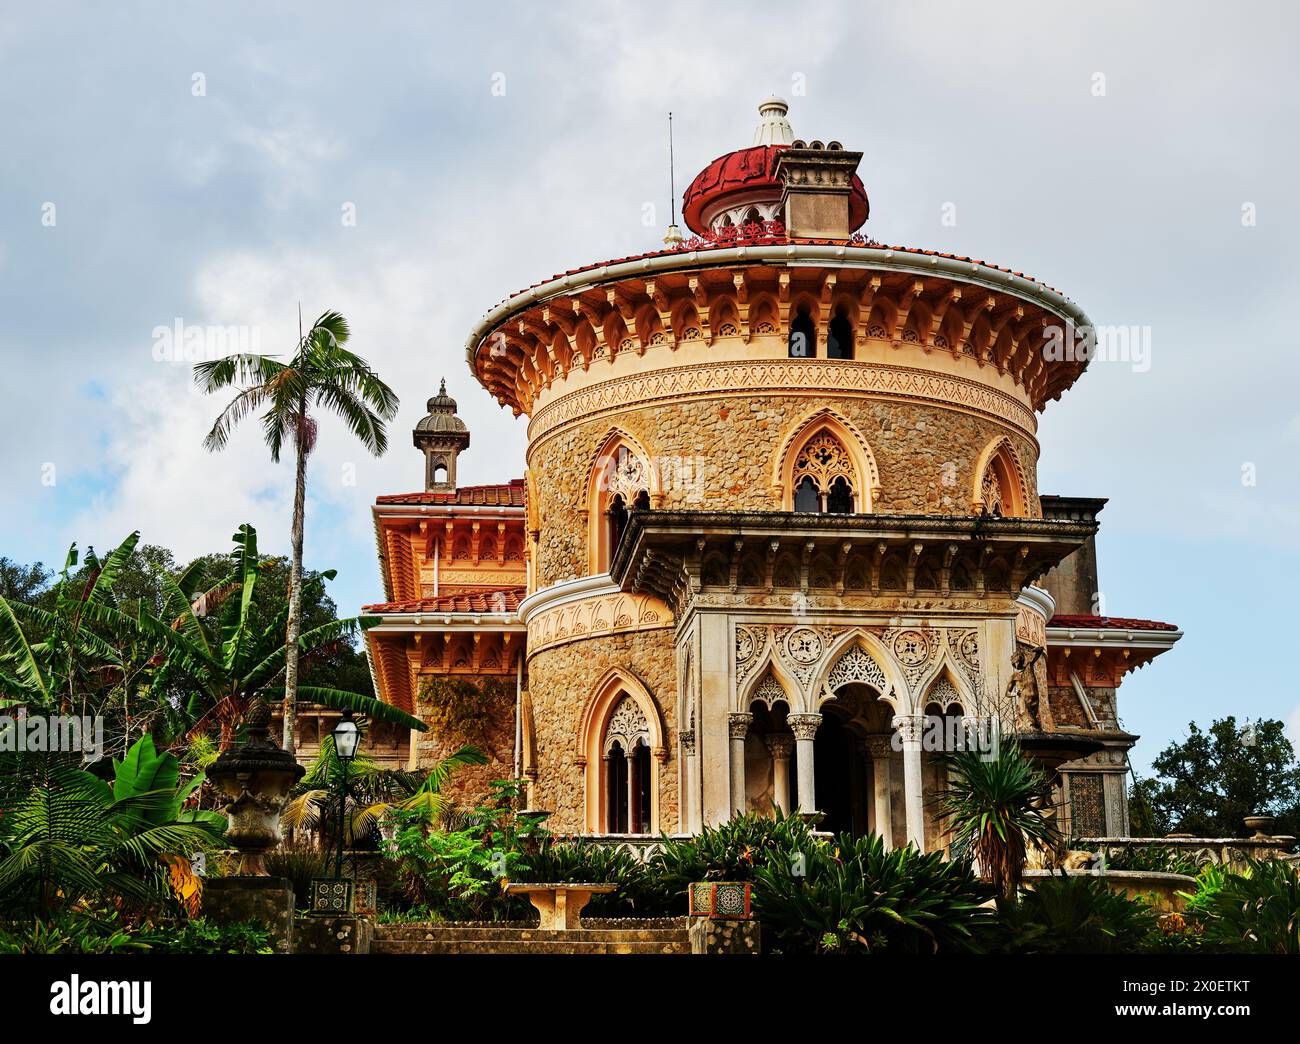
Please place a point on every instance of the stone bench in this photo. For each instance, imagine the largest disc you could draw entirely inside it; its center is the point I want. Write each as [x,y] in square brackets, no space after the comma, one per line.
[560,905]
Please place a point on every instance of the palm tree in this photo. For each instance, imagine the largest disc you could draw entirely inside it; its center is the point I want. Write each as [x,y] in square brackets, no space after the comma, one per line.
[996,807]
[321,374]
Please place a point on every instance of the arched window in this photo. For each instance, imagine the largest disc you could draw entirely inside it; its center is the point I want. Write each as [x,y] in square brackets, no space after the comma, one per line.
[1000,492]
[627,775]
[803,335]
[620,486]
[824,477]
[839,338]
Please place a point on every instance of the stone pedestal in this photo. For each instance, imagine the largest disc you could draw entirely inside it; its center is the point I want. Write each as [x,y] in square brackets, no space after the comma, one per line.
[266,901]
[712,935]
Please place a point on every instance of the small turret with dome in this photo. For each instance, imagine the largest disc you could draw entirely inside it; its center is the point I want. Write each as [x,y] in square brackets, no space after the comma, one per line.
[803,185]
[441,435]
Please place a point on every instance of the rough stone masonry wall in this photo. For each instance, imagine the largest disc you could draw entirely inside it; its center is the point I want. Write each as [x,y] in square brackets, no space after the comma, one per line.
[926,455]
[473,784]
[562,681]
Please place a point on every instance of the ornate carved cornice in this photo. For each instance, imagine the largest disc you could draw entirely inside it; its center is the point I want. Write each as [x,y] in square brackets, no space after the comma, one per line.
[648,308]
[685,556]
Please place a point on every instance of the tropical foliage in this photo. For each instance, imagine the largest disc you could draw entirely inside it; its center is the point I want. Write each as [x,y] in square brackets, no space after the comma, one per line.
[68,836]
[320,375]
[1075,913]
[996,807]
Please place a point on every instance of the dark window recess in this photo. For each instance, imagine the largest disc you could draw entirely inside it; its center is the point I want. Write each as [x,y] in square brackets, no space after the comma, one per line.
[839,501]
[803,336]
[839,339]
[806,496]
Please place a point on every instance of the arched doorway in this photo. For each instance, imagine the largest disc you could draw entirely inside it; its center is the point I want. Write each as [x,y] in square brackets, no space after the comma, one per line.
[843,769]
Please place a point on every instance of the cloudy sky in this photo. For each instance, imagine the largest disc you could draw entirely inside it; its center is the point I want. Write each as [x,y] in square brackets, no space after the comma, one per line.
[196,162]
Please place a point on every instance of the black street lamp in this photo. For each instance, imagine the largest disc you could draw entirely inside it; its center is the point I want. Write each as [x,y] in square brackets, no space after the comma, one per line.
[347,738]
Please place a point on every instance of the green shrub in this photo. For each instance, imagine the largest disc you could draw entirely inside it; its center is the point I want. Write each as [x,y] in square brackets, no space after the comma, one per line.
[1257,911]
[105,931]
[1075,914]
[854,896]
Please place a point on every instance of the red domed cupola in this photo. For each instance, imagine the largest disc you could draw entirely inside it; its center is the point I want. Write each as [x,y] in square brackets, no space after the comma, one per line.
[745,186]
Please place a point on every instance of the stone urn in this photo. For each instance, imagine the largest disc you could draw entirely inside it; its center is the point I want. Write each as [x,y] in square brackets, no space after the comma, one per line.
[1260,826]
[254,779]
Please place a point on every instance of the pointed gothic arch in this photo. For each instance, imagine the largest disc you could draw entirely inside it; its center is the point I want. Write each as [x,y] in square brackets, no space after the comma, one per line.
[848,454]
[619,480]
[621,719]
[850,660]
[1001,485]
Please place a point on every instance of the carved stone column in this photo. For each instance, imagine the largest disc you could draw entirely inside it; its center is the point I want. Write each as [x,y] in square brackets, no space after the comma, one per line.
[738,726]
[804,727]
[910,727]
[633,792]
[780,744]
[881,750]
[690,781]
[610,802]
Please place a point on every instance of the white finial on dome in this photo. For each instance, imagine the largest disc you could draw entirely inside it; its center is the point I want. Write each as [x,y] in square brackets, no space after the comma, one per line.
[773,128]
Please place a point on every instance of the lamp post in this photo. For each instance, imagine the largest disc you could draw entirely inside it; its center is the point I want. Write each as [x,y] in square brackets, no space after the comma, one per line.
[347,738]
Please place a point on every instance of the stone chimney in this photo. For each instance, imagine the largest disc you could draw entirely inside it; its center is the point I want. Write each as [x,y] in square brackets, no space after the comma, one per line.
[817,181]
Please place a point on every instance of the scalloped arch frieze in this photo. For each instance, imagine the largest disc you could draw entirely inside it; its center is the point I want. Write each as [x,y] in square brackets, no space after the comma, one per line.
[596,617]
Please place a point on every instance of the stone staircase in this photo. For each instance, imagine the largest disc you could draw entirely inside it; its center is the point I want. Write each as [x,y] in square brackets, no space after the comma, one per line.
[668,935]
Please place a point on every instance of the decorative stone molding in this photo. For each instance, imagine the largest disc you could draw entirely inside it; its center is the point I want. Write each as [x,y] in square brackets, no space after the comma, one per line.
[910,727]
[804,726]
[738,724]
[610,613]
[755,377]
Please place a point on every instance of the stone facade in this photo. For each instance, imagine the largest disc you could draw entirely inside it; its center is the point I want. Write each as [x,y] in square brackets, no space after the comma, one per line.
[720,453]
[563,681]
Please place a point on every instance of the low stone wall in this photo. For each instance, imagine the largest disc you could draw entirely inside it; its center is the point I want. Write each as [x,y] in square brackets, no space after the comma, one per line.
[1232,852]
[1158,890]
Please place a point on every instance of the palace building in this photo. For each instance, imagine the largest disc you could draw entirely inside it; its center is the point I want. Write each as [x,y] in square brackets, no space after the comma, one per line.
[779,520]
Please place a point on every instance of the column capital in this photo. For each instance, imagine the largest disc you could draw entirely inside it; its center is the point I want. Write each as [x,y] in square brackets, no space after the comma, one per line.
[804,726]
[910,727]
[879,746]
[738,724]
[780,744]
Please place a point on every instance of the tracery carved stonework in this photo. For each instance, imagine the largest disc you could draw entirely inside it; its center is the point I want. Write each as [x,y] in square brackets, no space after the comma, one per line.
[991,491]
[769,691]
[627,726]
[944,693]
[625,475]
[856,667]
[823,459]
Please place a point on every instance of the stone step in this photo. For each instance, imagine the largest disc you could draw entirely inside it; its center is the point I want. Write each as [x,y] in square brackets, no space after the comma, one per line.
[409,933]
[529,946]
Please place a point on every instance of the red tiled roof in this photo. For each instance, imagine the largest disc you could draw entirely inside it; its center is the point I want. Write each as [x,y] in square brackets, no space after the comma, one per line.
[748,169]
[504,494]
[498,600]
[695,246]
[1118,623]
